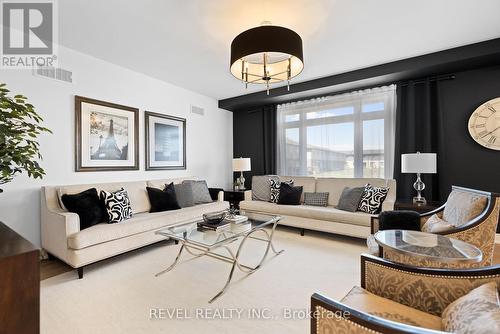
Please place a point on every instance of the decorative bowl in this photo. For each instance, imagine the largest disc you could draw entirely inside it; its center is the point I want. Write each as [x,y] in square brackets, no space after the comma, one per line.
[214,217]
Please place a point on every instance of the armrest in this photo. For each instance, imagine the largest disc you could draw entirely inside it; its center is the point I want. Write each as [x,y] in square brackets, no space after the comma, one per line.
[56,226]
[248,195]
[329,316]
[421,288]
[387,205]
[374,222]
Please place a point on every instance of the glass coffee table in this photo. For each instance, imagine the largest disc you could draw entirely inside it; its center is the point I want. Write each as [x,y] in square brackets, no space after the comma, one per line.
[427,249]
[199,242]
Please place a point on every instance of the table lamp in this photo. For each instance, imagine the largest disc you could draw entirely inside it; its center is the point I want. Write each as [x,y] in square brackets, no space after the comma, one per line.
[419,163]
[241,165]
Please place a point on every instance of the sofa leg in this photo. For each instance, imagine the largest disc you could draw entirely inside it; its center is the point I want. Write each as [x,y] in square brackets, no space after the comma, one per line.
[80,272]
[302,232]
[50,257]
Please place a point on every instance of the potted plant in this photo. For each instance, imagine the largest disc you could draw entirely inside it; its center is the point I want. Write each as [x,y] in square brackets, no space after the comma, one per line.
[19,130]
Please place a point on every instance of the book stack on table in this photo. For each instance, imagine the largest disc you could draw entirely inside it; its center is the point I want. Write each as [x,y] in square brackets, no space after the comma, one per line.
[217,225]
[214,226]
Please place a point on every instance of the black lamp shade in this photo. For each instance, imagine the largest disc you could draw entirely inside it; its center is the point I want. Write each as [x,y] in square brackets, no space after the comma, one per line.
[281,47]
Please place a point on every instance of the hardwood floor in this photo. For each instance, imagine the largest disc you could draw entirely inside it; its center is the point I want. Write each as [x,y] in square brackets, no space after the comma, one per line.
[50,268]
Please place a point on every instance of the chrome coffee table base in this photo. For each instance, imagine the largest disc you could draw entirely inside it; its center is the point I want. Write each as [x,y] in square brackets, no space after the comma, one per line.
[232,258]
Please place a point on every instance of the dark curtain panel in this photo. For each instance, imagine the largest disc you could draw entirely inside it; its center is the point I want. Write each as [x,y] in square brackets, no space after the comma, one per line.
[419,127]
[254,137]
[269,119]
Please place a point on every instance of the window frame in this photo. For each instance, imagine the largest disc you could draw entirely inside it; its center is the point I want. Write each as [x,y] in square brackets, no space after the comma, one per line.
[356,101]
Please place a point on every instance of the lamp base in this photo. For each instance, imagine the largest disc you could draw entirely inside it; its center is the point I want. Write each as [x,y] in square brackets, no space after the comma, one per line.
[419,200]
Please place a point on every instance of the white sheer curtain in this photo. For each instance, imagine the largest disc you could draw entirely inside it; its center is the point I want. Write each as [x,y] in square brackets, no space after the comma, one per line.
[347,135]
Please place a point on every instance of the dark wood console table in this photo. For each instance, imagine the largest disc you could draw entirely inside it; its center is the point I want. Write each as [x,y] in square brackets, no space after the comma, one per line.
[19,284]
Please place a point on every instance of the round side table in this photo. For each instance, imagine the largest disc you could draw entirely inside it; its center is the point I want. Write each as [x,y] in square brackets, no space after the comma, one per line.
[428,250]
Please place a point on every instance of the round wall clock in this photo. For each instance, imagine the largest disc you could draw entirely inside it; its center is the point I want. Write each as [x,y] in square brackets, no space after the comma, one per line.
[484,124]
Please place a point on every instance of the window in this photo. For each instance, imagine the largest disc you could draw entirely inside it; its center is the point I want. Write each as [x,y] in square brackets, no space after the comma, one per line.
[348,135]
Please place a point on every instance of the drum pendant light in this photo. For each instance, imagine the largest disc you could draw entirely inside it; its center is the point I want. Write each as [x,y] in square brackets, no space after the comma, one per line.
[267,54]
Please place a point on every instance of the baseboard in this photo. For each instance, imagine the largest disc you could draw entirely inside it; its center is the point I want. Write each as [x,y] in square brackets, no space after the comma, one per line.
[497,238]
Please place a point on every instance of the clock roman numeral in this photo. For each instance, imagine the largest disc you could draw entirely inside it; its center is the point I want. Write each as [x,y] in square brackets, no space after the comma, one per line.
[490,108]
[482,133]
[480,125]
[492,140]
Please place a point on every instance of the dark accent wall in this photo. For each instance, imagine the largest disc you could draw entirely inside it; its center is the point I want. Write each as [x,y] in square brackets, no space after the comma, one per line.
[254,137]
[465,162]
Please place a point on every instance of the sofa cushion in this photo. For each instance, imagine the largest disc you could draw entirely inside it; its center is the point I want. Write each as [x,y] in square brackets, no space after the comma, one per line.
[89,207]
[335,186]
[117,204]
[289,195]
[163,200]
[308,183]
[184,194]
[463,206]
[308,211]
[140,223]
[364,301]
[372,199]
[136,191]
[200,191]
[316,199]
[160,183]
[476,312]
[261,187]
[350,198]
[275,185]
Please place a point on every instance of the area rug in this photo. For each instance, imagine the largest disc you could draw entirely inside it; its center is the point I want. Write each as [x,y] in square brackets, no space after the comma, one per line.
[122,295]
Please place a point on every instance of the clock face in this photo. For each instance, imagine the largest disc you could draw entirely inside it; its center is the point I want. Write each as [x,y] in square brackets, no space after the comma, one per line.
[484,124]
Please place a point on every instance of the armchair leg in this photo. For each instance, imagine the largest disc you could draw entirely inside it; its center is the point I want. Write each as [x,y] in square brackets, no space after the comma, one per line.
[302,232]
[176,242]
[80,272]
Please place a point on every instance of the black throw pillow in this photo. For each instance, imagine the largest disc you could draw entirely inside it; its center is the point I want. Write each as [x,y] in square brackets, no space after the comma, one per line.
[88,206]
[399,220]
[163,200]
[289,195]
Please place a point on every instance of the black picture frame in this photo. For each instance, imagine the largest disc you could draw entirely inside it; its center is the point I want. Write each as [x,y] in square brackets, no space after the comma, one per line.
[151,164]
[129,112]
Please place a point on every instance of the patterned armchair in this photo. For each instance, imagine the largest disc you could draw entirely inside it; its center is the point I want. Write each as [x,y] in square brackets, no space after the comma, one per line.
[478,231]
[394,298]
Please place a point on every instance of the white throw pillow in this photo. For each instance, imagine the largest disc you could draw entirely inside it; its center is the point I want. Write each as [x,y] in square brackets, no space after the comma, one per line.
[478,312]
[117,204]
[436,225]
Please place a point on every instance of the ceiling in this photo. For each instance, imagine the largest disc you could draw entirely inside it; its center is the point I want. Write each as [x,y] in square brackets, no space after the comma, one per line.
[186,42]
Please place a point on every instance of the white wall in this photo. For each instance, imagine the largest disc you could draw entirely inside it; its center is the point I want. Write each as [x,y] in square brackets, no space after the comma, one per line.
[209,138]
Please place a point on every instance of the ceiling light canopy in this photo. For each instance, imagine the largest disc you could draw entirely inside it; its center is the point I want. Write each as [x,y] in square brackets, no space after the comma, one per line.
[267,54]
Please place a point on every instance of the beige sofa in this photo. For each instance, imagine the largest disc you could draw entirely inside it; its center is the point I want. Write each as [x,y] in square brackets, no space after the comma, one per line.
[62,238]
[326,219]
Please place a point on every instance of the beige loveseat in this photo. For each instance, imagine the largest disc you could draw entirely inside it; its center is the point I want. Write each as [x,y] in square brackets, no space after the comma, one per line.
[326,219]
[62,238]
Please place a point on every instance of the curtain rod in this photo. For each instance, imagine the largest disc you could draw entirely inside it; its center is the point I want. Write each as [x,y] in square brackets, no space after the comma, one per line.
[423,80]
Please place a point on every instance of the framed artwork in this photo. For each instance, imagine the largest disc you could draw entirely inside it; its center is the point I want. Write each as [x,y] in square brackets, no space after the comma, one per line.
[106,136]
[165,141]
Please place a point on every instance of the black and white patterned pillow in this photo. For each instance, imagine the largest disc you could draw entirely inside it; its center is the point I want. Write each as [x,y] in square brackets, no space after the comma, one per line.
[316,199]
[372,199]
[275,188]
[117,204]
